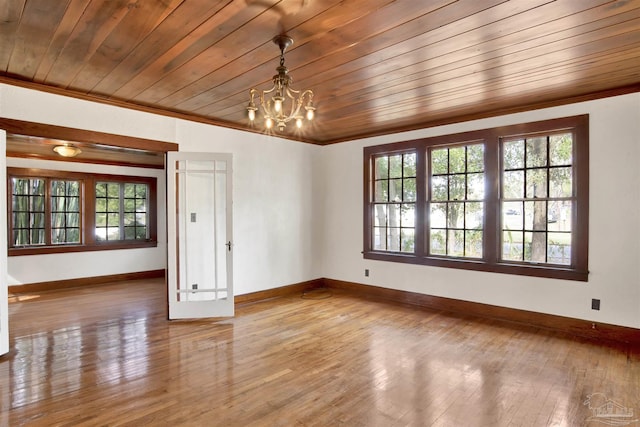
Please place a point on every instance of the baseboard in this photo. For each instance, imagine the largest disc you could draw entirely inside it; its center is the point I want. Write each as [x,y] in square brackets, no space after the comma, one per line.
[576,327]
[84,281]
[296,288]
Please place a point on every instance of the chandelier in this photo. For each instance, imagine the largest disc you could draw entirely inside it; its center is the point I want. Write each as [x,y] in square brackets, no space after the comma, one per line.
[281,98]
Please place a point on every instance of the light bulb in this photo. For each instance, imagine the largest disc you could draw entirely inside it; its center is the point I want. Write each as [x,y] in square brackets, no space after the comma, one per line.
[252,115]
[299,122]
[277,103]
[269,123]
[309,114]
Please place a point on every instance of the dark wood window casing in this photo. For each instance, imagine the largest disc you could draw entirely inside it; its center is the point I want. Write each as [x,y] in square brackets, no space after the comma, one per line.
[87,223]
[561,247]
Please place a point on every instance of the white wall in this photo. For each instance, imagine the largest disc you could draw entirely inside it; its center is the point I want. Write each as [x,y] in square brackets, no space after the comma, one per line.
[614,224]
[273,208]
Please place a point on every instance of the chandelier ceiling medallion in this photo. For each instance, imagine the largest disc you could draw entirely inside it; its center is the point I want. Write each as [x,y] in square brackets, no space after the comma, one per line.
[281,98]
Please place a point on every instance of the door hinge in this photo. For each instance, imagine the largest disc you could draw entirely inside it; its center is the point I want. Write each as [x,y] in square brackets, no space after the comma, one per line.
[229,245]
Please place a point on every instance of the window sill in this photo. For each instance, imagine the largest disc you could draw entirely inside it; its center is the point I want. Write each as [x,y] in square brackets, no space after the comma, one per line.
[42,250]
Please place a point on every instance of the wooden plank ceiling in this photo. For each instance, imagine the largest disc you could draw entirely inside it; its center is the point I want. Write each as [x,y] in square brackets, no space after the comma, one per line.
[376,66]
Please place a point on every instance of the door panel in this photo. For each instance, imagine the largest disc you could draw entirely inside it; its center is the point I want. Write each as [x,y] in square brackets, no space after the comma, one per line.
[199,235]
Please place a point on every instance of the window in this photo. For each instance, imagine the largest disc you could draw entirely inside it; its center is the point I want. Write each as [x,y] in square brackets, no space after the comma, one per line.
[395,202]
[121,211]
[37,202]
[53,211]
[510,200]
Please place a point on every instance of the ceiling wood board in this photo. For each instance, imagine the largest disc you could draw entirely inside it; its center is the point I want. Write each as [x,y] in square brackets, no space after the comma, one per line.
[376,66]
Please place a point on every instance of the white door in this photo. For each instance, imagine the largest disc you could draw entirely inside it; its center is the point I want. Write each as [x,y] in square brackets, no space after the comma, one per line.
[4,304]
[199,266]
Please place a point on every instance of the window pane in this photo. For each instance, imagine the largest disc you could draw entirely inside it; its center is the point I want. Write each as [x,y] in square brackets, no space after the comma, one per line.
[37,220]
[37,203]
[560,182]
[129,219]
[101,219]
[395,190]
[513,185]
[439,188]
[409,190]
[457,187]
[512,218]
[113,233]
[439,161]
[37,237]
[438,242]
[129,205]
[113,205]
[513,155]
[141,219]
[73,235]
[535,245]
[141,233]
[475,186]
[395,166]
[455,244]
[474,215]
[393,244]
[408,218]
[129,233]
[536,183]
[101,205]
[560,214]
[381,194]
[394,215]
[536,152]
[512,246]
[101,189]
[559,248]
[113,190]
[379,238]
[473,244]
[455,215]
[382,167]
[438,216]
[141,191]
[113,219]
[409,165]
[129,191]
[20,203]
[561,149]
[407,240]
[380,217]
[457,160]
[475,158]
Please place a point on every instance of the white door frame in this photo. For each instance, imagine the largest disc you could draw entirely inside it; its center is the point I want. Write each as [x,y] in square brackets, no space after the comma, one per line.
[4,302]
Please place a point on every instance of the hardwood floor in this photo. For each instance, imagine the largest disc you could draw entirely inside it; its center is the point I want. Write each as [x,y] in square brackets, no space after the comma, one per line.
[108,356]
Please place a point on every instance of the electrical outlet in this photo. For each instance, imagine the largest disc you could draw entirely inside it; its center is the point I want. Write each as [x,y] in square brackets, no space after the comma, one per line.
[366,272]
[595,304]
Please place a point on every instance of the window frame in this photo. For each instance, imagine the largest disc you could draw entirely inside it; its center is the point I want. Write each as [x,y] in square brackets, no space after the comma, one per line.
[88,242]
[492,138]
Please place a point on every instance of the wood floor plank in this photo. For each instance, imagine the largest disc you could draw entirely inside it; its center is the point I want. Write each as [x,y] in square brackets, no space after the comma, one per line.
[107,356]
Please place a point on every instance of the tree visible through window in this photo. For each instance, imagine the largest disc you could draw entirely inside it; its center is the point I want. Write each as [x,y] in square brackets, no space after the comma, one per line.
[510,200]
[538,199]
[55,211]
[121,211]
[41,204]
